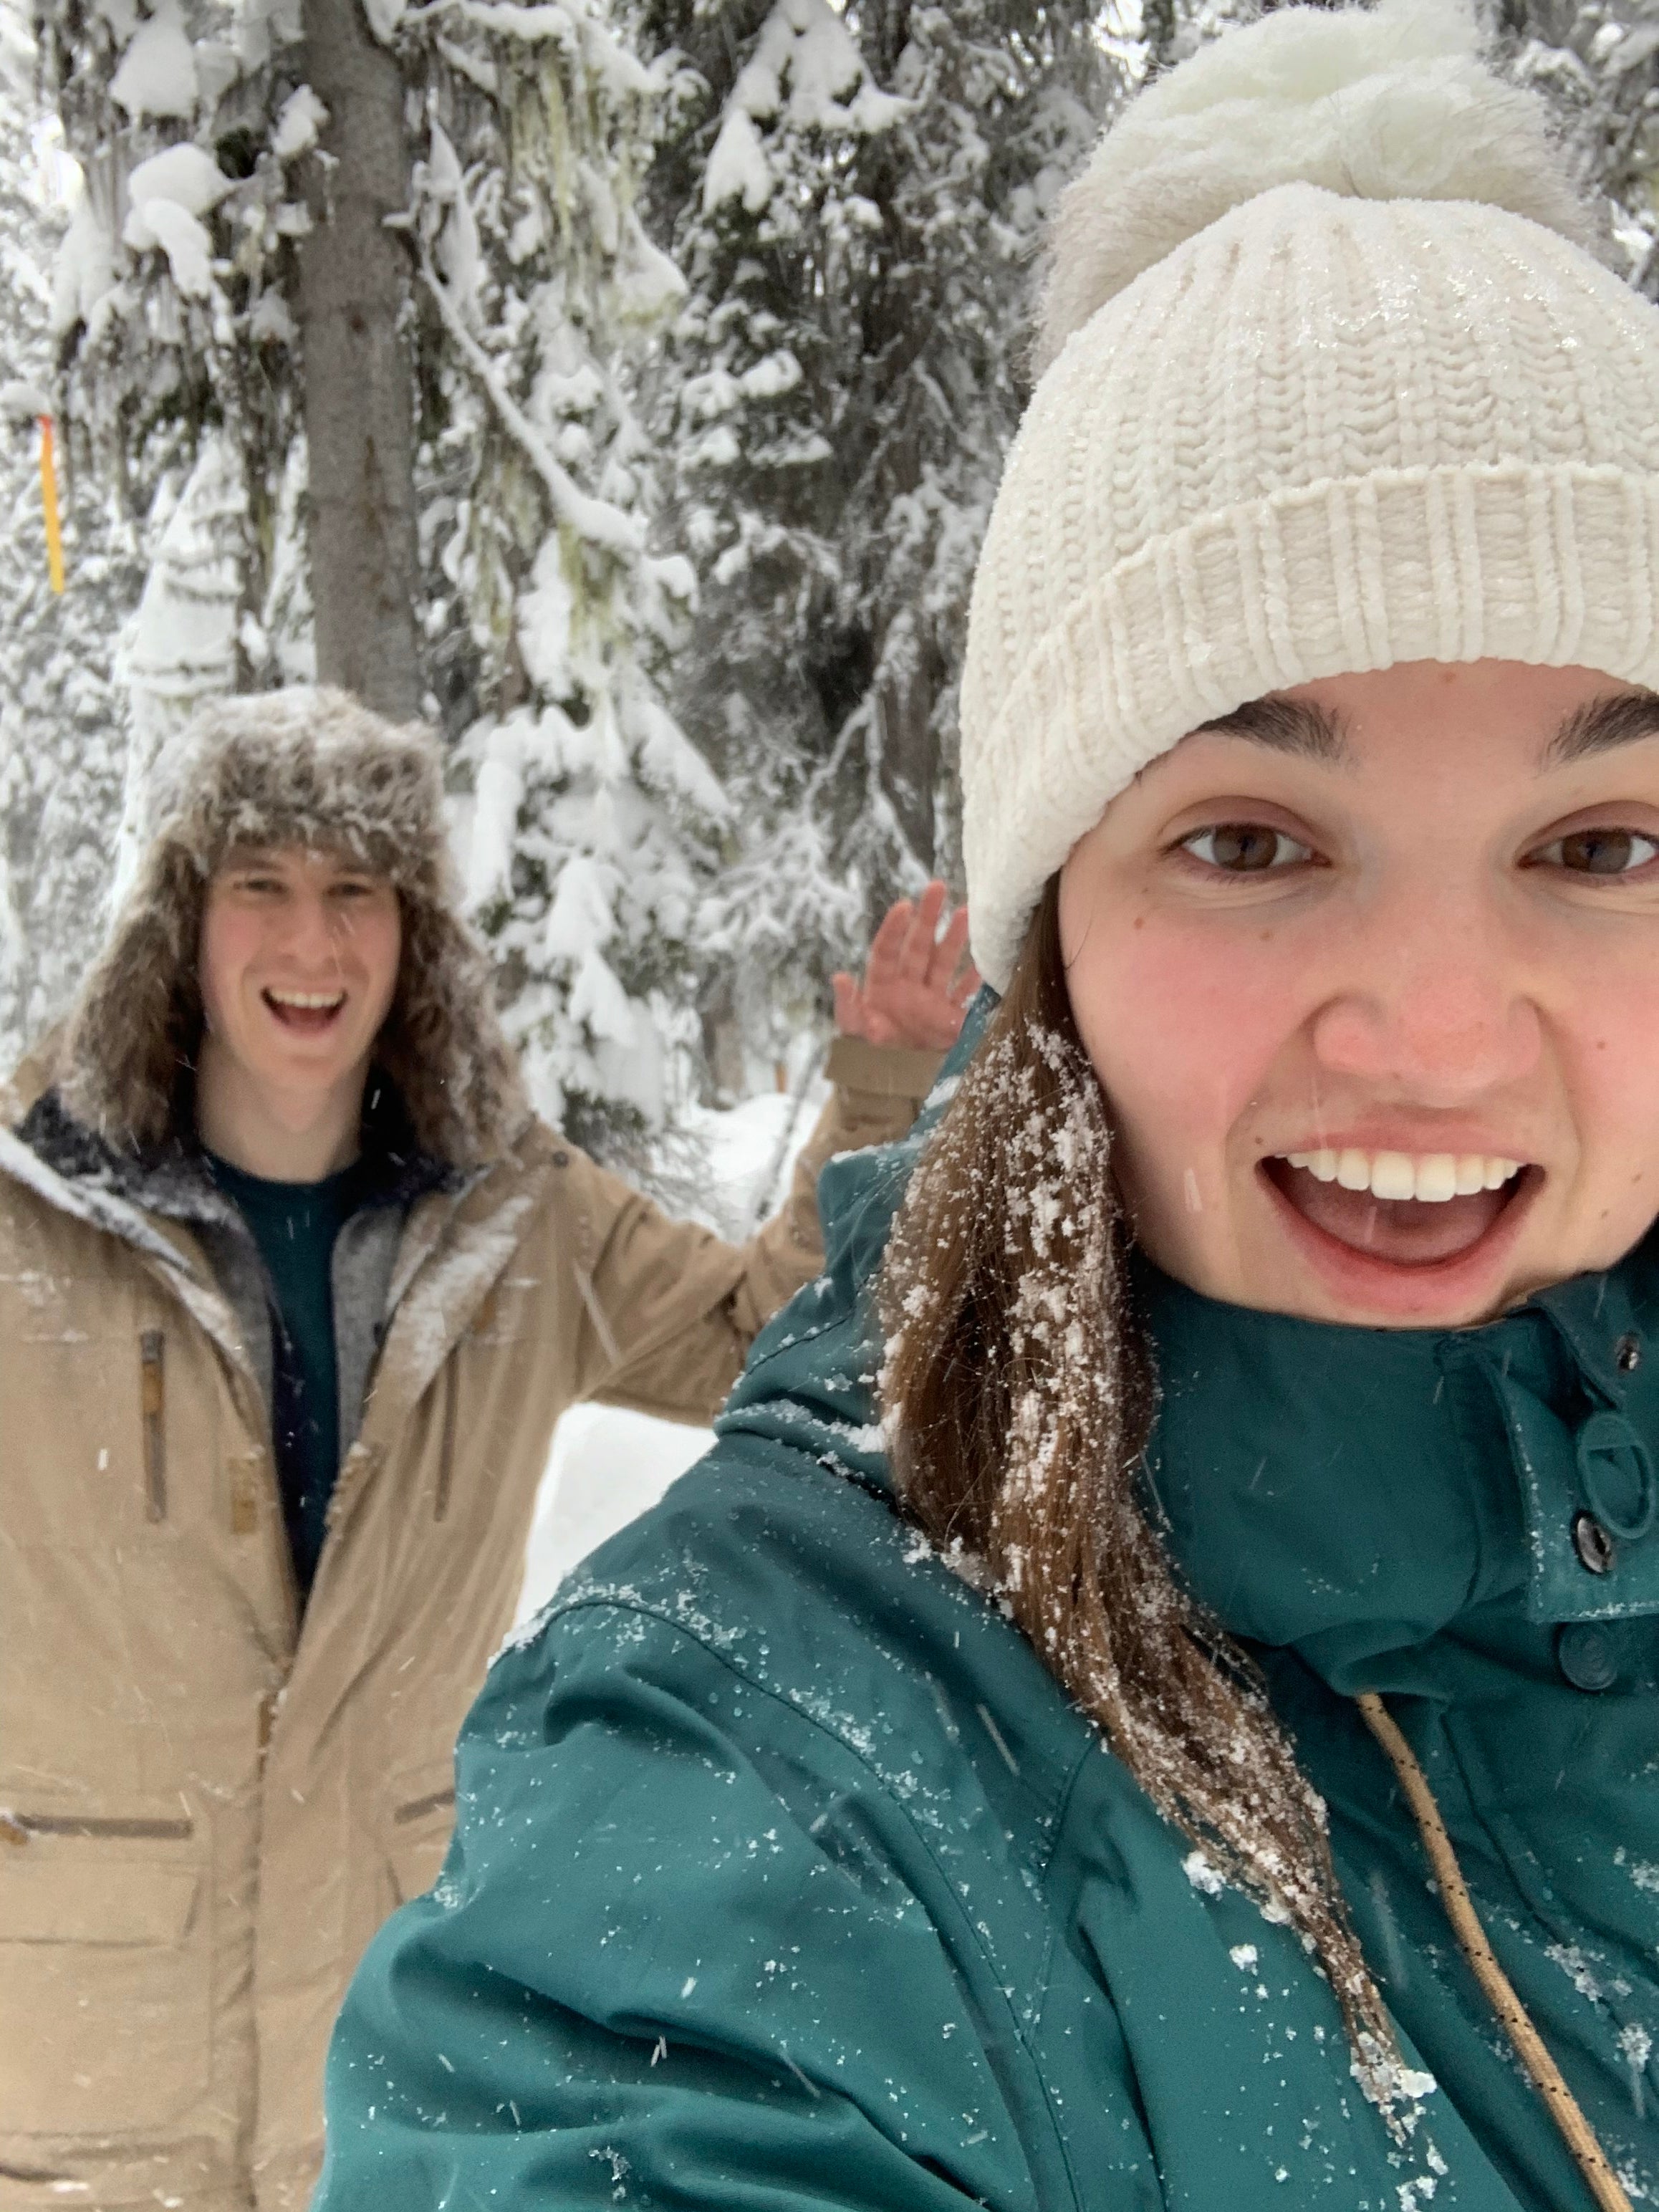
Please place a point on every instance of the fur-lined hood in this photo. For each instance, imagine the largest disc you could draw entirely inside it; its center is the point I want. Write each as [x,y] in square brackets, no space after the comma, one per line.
[306,766]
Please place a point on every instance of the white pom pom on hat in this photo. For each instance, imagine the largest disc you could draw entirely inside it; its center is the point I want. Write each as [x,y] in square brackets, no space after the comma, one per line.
[1334,379]
[1387,104]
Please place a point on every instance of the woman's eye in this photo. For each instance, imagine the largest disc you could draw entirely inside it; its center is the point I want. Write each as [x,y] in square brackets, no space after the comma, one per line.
[1599,852]
[1244,848]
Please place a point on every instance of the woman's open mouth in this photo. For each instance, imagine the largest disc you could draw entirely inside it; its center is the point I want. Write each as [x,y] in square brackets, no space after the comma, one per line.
[1402,1209]
[307,1012]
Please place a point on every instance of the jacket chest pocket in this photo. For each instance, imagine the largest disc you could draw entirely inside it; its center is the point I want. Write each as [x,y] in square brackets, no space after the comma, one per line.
[116,1434]
[106,1966]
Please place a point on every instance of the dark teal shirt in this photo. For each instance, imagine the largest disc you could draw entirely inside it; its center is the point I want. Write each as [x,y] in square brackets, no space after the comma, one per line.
[294,1226]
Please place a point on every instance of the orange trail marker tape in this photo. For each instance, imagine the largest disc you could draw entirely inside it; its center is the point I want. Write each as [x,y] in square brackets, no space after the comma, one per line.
[49,507]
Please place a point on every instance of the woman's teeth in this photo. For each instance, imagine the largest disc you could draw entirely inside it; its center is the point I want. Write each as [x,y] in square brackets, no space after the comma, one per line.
[1432,1177]
[309,1001]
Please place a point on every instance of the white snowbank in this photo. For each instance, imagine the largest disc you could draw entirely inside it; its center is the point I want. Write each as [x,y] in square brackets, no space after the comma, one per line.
[608,1465]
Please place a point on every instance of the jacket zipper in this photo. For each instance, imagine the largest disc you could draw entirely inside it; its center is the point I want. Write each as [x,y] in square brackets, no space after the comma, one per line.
[152,1401]
[360,1462]
[446,1457]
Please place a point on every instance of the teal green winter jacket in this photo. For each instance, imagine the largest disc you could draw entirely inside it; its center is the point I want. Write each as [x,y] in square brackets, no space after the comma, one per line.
[785,1876]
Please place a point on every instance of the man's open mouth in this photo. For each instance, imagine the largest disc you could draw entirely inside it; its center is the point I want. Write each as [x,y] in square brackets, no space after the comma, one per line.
[310,1012]
[1410,1209]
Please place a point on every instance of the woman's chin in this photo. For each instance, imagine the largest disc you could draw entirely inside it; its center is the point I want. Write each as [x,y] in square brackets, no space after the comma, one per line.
[1401,1263]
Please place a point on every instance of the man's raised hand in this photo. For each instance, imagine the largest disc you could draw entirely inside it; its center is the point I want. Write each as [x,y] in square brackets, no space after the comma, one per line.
[917,982]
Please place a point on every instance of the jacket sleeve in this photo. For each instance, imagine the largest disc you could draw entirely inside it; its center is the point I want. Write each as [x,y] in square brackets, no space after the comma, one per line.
[671,1309]
[665,1964]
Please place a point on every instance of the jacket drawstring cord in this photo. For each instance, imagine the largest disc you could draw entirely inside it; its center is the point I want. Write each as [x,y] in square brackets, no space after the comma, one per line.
[1529,2045]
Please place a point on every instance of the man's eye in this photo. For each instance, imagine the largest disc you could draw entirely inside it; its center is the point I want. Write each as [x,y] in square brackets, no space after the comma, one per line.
[1244,848]
[1599,852]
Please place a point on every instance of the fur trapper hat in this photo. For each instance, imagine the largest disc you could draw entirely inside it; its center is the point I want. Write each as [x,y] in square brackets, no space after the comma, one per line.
[310,767]
[1333,378]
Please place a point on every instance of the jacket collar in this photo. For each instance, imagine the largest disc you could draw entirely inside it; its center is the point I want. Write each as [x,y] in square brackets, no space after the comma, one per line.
[165,1205]
[172,1179]
[1349,1492]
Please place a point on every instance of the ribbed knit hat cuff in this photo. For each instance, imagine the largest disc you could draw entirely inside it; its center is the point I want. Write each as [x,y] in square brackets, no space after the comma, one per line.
[1556,566]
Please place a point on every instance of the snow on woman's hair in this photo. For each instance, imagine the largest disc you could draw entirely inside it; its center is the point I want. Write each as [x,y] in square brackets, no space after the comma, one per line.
[1017,1397]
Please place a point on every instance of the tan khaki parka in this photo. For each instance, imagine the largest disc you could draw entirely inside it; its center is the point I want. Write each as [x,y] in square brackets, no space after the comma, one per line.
[206,1806]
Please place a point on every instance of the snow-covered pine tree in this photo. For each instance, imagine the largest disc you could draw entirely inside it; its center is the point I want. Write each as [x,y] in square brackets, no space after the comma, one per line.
[852,196]
[178,378]
[754,192]
[62,737]
[551,619]
[528,282]
[1599,62]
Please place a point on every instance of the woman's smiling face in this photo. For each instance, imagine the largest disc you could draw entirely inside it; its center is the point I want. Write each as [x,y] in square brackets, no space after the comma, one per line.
[1370,973]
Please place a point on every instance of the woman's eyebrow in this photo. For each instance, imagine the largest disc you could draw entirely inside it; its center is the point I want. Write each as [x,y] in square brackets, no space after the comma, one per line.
[1289,725]
[1597,726]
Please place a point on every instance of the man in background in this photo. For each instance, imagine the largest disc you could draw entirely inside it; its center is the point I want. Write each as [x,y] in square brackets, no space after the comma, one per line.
[292,1291]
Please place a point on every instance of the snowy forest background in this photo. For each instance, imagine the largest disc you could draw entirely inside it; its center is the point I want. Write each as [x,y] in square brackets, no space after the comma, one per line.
[621,384]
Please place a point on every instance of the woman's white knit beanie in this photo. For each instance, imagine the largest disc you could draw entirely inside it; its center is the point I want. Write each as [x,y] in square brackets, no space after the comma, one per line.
[1334,379]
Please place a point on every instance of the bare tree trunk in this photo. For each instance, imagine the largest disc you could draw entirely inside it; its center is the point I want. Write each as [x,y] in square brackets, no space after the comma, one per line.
[905,692]
[909,748]
[359,392]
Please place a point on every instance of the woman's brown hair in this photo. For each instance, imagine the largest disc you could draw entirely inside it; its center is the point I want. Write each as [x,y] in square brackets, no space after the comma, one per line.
[1018,1395]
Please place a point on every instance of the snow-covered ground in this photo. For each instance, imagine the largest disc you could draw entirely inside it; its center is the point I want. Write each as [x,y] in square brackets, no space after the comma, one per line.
[608,1465]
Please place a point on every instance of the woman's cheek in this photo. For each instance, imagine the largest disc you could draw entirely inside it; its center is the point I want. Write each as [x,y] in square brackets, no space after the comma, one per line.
[1185,1012]
[1184,1023]
[1615,1078]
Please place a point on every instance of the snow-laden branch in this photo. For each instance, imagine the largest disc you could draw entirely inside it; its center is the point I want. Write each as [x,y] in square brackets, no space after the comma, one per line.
[572,26]
[595,520]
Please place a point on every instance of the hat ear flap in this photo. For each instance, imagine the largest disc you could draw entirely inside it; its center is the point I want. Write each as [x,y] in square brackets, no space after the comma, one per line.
[443,1046]
[132,1034]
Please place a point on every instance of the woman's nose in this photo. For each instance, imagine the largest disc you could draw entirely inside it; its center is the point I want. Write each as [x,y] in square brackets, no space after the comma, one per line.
[1433,1009]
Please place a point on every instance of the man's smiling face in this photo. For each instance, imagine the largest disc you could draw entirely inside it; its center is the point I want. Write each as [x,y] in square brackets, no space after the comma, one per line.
[298,965]
[1370,972]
